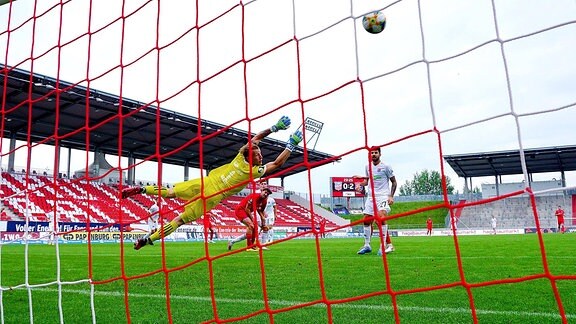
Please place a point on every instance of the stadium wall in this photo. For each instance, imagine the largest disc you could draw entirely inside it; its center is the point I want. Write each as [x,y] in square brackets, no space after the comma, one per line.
[319,210]
[492,190]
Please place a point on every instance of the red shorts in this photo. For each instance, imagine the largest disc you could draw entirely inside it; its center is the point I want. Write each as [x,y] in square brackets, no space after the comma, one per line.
[241,214]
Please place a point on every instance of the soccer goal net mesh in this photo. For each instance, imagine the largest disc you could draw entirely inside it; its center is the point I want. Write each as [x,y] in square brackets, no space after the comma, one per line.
[444,78]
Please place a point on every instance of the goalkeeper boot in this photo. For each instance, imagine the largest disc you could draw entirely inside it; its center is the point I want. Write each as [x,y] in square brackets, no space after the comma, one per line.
[131,191]
[142,241]
[364,250]
[230,243]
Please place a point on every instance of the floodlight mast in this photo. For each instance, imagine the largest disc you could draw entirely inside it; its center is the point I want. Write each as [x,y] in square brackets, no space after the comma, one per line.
[315,127]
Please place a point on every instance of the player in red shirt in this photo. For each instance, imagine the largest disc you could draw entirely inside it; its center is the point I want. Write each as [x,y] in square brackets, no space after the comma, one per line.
[251,206]
[211,228]
[323,227]
[429,226]
[560,218]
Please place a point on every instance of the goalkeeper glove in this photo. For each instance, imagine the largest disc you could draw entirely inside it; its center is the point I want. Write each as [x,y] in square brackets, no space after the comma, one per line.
[294,140]
[283,123]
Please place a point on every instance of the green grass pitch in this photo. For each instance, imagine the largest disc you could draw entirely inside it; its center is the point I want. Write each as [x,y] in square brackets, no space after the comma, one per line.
[296,281]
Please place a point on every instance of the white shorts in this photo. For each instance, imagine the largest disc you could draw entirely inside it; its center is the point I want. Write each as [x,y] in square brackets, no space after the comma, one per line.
[381,204]
[152,227]
[270,221]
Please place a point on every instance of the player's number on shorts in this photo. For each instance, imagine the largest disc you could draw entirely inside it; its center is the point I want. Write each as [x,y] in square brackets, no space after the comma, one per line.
[383,204]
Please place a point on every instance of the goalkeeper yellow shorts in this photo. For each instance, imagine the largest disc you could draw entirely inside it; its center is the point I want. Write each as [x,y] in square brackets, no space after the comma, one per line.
[195,206]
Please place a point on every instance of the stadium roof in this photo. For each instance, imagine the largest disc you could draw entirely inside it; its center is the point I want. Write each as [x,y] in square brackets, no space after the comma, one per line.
[538,160]
[84,114]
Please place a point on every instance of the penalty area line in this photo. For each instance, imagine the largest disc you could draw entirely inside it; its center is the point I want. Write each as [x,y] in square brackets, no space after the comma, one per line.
[456,310]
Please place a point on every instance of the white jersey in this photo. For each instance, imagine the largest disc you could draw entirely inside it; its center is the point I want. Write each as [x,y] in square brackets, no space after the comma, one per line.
[269,211]
[154,216]
[381,174]
[493,221]
[454,225]
[53,229]
[51,221]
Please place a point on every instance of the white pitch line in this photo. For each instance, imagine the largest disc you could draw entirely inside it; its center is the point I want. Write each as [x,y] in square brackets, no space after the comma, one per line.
[355,256]
[458,310]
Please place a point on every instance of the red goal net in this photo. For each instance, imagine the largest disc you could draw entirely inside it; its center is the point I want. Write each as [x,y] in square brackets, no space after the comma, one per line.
[443,78]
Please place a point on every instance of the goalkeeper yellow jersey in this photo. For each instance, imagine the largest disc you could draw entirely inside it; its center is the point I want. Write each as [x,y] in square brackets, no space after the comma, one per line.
[235,173]
[220,183]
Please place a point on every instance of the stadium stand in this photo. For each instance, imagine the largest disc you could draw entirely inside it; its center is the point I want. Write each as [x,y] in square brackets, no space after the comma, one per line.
[513,212]
[78,200]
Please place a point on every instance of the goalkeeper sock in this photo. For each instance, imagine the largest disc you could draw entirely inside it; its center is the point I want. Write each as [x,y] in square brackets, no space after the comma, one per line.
[166,230]
[153,190]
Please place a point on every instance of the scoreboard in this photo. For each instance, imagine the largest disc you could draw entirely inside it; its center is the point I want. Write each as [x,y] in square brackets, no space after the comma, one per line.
[346,187]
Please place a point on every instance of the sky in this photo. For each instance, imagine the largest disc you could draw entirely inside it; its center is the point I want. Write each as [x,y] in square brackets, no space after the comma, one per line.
[485,75]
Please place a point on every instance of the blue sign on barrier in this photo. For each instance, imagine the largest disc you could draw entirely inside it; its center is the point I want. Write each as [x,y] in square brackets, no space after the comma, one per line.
[20,226]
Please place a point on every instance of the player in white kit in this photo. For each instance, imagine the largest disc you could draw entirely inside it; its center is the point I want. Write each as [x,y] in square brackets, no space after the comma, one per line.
[271,212]
[384,182]
[154,212]
[53,228]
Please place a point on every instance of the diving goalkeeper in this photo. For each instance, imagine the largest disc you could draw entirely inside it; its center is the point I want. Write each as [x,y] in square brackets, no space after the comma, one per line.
[220,183]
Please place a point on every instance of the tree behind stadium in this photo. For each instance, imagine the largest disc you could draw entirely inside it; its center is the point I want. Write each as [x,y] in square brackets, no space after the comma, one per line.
[425,183]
